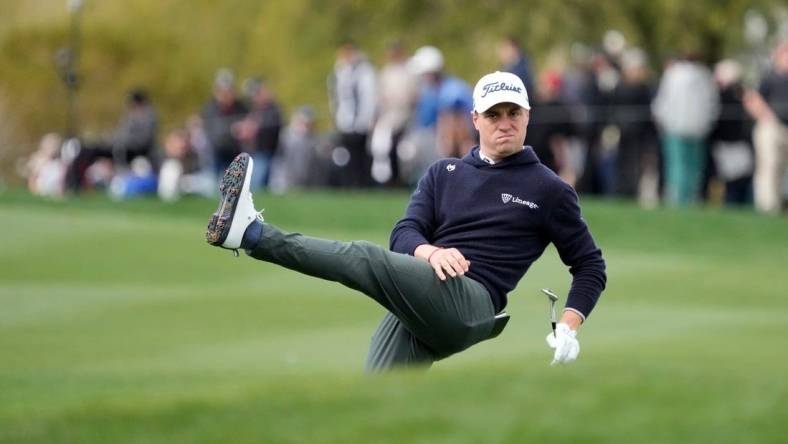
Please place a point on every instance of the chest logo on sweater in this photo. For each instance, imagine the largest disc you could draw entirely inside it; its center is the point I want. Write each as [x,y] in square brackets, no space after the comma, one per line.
[450,167]
[506,198]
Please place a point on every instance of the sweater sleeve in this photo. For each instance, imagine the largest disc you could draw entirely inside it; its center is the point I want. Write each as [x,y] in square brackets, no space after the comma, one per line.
[418,224]
[571,237]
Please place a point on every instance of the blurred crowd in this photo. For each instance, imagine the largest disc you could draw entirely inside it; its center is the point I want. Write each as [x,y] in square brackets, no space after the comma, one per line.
[602,119]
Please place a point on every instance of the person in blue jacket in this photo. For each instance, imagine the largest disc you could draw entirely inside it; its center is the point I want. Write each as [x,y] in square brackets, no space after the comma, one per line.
[472,229]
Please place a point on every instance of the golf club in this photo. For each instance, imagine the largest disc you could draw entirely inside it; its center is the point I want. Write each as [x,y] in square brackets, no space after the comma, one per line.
[553,299]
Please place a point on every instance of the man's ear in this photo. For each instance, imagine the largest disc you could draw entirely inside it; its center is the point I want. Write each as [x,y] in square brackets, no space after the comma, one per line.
[474,116]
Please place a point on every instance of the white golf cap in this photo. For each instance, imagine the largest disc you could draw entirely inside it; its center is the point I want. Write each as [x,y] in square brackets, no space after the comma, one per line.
[499,87]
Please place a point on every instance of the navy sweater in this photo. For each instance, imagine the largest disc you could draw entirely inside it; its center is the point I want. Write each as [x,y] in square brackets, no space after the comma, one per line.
[501,218]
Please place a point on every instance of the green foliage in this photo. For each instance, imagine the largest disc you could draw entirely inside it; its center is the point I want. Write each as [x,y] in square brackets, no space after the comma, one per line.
[119,324]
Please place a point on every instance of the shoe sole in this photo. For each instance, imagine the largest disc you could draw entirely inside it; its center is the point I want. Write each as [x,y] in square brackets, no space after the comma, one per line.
[230,189]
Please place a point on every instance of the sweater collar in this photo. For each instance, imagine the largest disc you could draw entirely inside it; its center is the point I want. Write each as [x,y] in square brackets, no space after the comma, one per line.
[523,157]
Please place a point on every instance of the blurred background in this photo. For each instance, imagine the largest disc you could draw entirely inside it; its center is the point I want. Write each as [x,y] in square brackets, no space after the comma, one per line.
[342,94]
[119,324]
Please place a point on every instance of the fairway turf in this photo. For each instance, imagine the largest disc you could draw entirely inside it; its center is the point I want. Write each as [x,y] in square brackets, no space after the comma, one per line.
[119,324]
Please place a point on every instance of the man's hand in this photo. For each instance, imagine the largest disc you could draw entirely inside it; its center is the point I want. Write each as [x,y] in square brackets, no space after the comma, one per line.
[566,346]
[443,260]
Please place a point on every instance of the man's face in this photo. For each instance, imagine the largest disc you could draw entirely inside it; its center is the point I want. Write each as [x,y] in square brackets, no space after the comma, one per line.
[501,130]
[507,53]
[346,53]
[225,96]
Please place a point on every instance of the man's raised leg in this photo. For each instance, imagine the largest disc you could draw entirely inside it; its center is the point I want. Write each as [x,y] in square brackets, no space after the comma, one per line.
[448,316]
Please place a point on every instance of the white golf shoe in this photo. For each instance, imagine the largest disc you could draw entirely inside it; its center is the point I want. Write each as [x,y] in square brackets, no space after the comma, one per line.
[236,207]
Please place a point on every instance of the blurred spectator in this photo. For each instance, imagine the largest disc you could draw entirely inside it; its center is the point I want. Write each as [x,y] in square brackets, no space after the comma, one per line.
[79,156]
[444,105]
[100,173]
[352,100]
[514,60]
[259,131]
[139,180]
[46,171]
[218,117]
[137,131]
[730,140]
[397,92]
[769,106]
[577,94]
[550,127]
[294,165]
[602,137]
[199,143]
[578,76]
[637,167]
[181,171]
[91,164]
[686,108]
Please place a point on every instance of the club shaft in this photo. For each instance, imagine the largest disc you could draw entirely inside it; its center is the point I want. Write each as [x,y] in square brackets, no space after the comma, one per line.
[553,298]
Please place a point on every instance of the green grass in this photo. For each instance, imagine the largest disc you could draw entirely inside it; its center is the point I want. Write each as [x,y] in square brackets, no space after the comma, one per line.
[118,324]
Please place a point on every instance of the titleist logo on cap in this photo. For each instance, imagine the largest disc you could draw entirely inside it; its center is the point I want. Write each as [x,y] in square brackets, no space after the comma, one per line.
[499,86]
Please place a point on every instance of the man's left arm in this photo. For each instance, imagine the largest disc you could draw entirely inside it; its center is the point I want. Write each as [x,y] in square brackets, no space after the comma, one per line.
[570,235]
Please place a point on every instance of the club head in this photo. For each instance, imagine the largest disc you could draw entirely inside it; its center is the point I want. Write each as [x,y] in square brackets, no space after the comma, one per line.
[552,296]
[553,299]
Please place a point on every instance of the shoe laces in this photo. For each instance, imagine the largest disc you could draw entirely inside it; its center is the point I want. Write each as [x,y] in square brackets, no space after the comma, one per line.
[258,214]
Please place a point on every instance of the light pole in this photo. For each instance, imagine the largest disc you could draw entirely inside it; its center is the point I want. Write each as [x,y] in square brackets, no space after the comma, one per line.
[66,62]
[70,62]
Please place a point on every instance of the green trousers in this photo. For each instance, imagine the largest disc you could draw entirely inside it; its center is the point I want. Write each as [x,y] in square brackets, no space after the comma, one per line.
[427,320]
[685,159]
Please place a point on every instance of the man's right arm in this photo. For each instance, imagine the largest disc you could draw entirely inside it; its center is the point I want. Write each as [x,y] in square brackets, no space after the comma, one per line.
[417,226]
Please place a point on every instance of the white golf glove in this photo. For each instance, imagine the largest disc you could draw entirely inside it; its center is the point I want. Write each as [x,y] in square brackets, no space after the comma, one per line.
[566,346]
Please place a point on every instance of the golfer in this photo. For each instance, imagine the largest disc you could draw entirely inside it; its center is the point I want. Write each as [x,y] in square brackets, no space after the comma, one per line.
[472,229]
